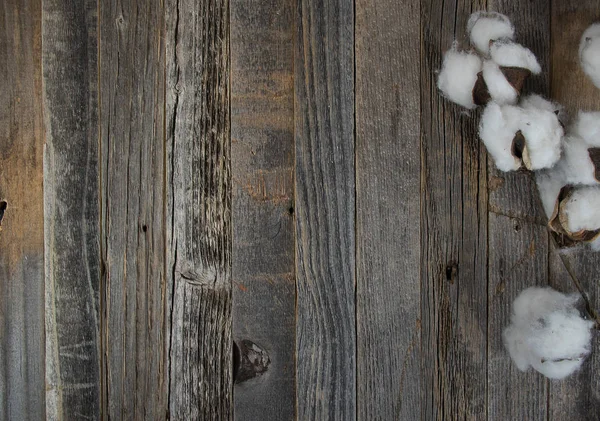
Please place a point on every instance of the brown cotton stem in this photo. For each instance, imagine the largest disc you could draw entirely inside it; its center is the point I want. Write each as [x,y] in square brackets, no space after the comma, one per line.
[516,76]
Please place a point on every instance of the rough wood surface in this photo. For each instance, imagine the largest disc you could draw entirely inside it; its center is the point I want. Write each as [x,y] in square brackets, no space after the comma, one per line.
[517,260]
[70,63]
[575,397]
[198,215]
[453,235]
[388,208]
[135,314]
[22,385]
[325,209]
[262,155]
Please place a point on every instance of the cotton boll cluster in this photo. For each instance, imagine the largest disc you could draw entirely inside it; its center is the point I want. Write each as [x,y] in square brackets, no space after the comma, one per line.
[497,75]
[548,333]
[529,134]
[589,53]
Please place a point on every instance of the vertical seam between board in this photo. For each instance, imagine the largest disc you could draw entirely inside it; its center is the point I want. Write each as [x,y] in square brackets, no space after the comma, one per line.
[294,5]
[356,403]
[231,213]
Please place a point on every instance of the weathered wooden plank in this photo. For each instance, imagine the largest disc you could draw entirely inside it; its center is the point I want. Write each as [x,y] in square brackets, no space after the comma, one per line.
[199,208]
[22,385]
[453,235]
[70,64]
[262,154]
[517,239]
[325,209]
[388,209]
[135,330]
[575,397]
[516,262]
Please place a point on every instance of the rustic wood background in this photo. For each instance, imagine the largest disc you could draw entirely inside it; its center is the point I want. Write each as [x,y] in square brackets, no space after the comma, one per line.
[179,175]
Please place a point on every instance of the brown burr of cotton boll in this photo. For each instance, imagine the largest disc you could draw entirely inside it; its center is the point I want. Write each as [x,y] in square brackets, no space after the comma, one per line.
[548,333]
[589,53]
[527,135]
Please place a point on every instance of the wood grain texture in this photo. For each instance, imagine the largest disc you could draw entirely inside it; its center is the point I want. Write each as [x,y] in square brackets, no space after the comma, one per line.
[262,155]
[516,261]
[577,396]
[325,209]
[199,208]
[388,209]
[135,328]
[70,64]
[22,385]
[453,235]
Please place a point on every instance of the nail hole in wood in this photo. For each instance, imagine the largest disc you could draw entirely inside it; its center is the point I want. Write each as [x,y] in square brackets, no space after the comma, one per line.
[144,228]
[3,206]
[517,227]
[451,271]
[291,210]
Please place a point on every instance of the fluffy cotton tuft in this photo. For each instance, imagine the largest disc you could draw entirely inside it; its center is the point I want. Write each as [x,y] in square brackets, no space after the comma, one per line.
[508,54]
[497,130]
[458,76]
[587,127]
[543,134]
[575,164]
[548,333]
[582,209]
[549,183]
[484,27]
[589,53]
[501,91]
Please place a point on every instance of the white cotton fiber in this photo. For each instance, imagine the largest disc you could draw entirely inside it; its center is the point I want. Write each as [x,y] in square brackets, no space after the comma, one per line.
[575,164]
[501,91]
[582,209]
[548,333]
[595,244]
[484,27]
[508,54]
[589,53]
[458,76]
[497,130]
[538,102]
[587,127]
[543,134]
[549,183]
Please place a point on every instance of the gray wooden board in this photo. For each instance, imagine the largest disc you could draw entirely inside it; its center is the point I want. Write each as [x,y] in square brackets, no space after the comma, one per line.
[22,385]
[577,396]
[135,325]
[453,235]
[69,55]
[325,209]
[198,215]
[388,209]
[517,261]
[262,154]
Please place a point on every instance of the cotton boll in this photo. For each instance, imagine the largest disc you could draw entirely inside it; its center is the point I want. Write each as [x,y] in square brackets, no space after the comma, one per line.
[535,101]
[508,54]
[543,134]
[484,27]
[576,165]
[497,130]
[458,76]
[549,183]
[547,333]
[500,90]
[587,127]
[582,209]
[589,53]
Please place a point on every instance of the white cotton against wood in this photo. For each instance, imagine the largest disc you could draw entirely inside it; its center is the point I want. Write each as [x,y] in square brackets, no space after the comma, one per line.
[543,134]
[501,91]
[458,76]
[509,54]
[484,27]
[589,53]
[582,209]
[587,127]
[575,165]
[549,183]
[595,244]
[497,130]
[548,333]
